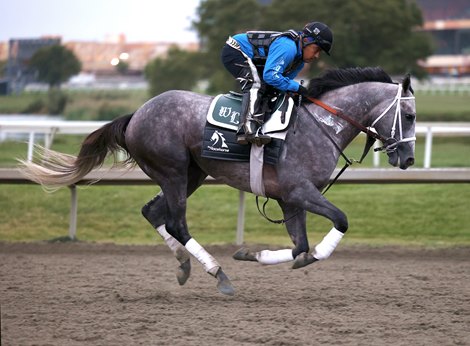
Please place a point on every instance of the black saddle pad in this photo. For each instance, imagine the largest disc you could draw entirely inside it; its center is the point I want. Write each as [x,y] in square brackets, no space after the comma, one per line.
[221,144]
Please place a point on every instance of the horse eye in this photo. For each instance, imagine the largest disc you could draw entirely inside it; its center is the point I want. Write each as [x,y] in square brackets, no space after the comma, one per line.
[410,117]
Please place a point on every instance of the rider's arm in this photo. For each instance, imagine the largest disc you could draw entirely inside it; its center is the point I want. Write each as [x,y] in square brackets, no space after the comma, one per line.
[282,53]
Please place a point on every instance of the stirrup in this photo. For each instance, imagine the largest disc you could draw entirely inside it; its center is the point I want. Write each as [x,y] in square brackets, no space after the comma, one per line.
[247,130]
[241,139]
[258,138]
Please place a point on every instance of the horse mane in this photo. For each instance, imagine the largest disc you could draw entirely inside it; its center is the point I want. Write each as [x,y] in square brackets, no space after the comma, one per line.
[337,78]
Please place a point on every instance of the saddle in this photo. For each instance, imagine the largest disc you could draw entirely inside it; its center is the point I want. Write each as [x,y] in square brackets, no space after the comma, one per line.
[223,119]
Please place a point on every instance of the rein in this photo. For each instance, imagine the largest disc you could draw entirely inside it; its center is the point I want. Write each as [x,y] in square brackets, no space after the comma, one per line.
[389,144]
[343,116]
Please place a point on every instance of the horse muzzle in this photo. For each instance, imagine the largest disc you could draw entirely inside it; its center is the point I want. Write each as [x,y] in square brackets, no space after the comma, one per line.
[402,156]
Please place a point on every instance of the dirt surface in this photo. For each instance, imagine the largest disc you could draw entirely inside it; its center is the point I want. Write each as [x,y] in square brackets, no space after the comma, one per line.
[89,294]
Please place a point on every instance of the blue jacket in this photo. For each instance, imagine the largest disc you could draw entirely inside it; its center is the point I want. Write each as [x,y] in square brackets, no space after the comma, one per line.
[283,51]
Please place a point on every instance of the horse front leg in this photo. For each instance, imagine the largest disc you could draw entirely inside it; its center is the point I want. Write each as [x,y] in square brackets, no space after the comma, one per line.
[296,227]
[310,198]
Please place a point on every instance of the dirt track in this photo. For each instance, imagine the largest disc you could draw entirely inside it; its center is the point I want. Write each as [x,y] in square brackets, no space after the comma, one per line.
[83,294]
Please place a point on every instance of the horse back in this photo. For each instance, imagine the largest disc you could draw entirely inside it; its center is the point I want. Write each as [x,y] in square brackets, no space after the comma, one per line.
[175,116]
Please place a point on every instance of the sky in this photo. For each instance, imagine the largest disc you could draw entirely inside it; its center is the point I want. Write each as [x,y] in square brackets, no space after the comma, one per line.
[96,20]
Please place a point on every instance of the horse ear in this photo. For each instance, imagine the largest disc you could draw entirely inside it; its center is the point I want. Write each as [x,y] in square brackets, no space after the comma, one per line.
[407,83]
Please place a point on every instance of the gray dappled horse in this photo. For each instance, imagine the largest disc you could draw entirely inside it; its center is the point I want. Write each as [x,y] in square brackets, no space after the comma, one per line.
[164,137]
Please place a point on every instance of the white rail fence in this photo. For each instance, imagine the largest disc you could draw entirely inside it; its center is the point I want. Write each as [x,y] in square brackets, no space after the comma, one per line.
[49,128]
[442,85]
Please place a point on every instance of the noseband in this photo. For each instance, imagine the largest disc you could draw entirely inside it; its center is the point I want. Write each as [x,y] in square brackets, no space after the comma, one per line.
[389,144]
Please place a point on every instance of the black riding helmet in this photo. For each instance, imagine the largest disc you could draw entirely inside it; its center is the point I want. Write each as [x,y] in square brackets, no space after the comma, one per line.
[319,34]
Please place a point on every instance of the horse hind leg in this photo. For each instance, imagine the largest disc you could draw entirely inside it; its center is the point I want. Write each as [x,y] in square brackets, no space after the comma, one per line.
[155,213]
[177,227]
[174,221]
[184,269]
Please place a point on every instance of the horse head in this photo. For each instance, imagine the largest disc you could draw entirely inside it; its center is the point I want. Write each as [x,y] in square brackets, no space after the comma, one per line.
[397,125]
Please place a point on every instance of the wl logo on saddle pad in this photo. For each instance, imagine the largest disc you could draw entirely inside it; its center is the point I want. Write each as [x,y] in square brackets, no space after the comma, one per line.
[223,119]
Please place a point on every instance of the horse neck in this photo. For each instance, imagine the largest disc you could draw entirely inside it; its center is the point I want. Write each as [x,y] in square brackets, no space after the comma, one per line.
[359,102]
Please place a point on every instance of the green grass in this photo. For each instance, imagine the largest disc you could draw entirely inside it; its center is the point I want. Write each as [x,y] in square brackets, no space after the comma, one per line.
[440,107]
[425,215]
[81,104]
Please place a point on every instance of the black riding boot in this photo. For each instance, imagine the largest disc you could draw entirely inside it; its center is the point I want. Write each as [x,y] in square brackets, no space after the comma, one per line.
[241,138]
[249,129]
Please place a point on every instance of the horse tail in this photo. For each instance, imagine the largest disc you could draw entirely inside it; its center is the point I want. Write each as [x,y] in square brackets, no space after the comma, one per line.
[58,169]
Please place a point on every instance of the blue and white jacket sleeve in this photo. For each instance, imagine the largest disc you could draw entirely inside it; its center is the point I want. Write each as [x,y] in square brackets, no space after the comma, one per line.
[282,53]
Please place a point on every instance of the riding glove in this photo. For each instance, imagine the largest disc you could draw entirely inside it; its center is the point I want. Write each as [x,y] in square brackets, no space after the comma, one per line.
[302,91]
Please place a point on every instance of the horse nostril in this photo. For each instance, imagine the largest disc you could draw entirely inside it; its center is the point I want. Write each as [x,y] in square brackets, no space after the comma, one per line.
[410,161]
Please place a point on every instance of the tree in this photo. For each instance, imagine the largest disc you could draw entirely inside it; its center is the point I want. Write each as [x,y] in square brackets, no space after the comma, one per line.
[371,33]
[55,65]
[366,32]
[3,65]
[179,70]
[217,20]
[122,67]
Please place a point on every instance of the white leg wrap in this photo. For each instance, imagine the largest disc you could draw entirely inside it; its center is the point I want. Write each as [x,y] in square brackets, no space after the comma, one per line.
[274,257]
[207,260]
[328,244]
[173,244]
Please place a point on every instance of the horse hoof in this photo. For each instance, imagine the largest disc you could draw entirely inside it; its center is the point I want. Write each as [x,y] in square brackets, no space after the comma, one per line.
[302,260]
[224,285]
[184,270]
[244,255]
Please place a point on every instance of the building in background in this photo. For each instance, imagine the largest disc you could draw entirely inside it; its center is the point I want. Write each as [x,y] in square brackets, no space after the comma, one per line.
[448,22]
[97,58]
[18,74]
[101,58]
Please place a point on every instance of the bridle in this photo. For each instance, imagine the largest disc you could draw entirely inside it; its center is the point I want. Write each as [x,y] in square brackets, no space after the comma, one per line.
[392,140]
[389,144]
